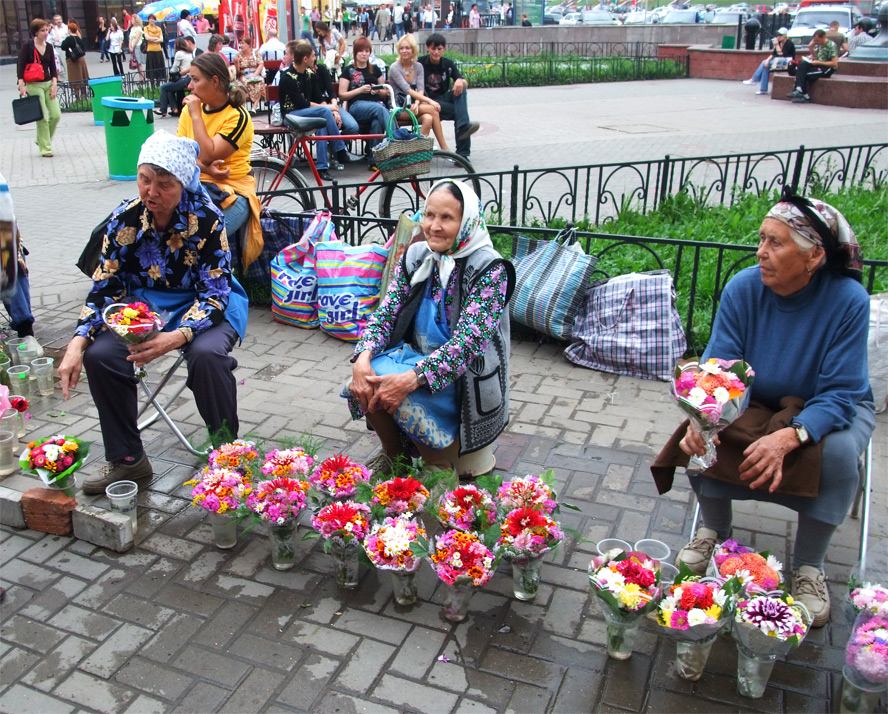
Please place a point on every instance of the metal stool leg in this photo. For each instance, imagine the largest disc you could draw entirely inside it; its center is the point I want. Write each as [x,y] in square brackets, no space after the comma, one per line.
[865,499]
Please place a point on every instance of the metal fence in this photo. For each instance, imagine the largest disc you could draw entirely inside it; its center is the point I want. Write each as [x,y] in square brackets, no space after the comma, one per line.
[557,49]
[77,96]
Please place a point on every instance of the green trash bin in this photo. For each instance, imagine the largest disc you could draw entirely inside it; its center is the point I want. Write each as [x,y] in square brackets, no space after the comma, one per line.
[101,88]
[128,122]
[728,42]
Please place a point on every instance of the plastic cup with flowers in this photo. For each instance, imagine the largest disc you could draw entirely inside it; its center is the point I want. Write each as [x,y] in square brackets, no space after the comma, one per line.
[627,584]
[526,535]
[390,546]
[278,503]
[713,394]
[757,572]
[343,527]
[467,508]
[337,477]
[866,663]
[693,611]
[220,492]
[134,323]
[766,625]
[54,460]
[463,562]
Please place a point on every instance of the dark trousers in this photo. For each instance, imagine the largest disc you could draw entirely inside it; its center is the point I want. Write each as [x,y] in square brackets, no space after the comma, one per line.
[117,62]
[114,387]
[169,93]
[807,74]
[456,109]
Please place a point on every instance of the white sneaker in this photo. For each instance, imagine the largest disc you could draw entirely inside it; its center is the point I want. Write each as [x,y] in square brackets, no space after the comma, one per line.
[697,554]
[749,81]
[761,92]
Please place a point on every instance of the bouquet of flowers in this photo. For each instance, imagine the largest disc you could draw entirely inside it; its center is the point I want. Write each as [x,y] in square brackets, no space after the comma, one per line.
[338,476]
[460,557]
[868,597]
[238,455]
[278,501]
[287,463]
[758,572]
[527,533]
[54,460]
[342,523]
[132,322]
[219,490]
[467,508]
[526,492]
[388,545]
[400,495]
[867,650]
[714,394]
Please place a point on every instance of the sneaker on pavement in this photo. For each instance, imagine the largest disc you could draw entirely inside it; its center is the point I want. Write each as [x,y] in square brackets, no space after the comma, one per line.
[761,91]
[802,99]
[343,156]
[697,554]
[381,464]
[794,93]
[748,81]
[809,588]
[469,130]
[139,470]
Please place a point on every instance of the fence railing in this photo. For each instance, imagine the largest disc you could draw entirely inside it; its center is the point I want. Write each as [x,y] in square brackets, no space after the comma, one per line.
[558,49]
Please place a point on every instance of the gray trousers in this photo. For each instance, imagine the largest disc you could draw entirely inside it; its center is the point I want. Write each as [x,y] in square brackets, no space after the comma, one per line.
[114,387]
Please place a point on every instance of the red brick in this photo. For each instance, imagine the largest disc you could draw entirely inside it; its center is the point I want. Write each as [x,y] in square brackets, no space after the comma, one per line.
[48,511]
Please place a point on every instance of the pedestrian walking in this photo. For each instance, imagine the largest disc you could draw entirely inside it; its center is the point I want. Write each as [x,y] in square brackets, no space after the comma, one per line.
[38,76]
[102,40]
[115,47]
[75,58]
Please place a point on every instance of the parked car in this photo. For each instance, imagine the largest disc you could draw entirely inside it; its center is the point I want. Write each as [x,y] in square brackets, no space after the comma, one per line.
[598,17]
[551,18]
[572,18]
[639,17]
[730,17]
[809,19]
[687,17]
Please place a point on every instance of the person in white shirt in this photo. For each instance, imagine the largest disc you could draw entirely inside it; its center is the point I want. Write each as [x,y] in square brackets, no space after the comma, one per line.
[57,35]
[398,18]
[185,28]
[272,50]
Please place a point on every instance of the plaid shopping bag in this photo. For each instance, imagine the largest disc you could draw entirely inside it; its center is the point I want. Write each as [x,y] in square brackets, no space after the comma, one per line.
[630,325]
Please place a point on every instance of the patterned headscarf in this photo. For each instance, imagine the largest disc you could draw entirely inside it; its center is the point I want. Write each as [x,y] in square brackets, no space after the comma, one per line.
[472,236]
[178,155]
[822,225]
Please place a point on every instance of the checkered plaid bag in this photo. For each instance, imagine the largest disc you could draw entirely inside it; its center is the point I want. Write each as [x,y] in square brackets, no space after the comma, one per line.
[630,326]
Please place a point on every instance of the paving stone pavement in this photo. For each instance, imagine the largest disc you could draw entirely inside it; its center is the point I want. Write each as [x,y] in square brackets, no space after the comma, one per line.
[175,625]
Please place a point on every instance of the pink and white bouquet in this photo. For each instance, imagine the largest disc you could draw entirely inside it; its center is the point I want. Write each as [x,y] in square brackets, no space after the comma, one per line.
[400,495]
[287,463]
[526,492]
[695,607]
[219,490]
[467,508]
[527,533]
[278,501]
[338,476]
[758,572]
[389,545]
[343,523]
[460,557]
[714,394]
[238,455]
[627,582]
[868,597]
[867,650]
[771,623]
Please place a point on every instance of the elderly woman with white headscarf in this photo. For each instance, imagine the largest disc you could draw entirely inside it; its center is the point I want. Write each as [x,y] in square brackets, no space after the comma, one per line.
[167,248]
[800,319]
[432,366]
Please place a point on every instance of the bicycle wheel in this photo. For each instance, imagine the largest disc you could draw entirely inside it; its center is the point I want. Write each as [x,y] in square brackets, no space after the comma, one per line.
[409,195]
[266,170]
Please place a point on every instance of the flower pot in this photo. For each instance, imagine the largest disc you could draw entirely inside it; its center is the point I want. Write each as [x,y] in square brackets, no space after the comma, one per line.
[753,671]
[526,578]
[859,696]
[691,657]
[345,564]
[456,601]
[224,530]
[404,586]
[621,634]
[283,552]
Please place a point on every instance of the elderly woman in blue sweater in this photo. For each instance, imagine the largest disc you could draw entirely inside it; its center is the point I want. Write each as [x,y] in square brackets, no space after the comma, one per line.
[800,318]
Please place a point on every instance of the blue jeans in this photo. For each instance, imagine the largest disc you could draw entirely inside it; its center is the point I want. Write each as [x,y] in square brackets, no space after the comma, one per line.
[236,215]
[168,91]
[103,50]
[399,29]
[307,36]
[331,130]
[456,109]
[19,305]
[372,113]
[762,73]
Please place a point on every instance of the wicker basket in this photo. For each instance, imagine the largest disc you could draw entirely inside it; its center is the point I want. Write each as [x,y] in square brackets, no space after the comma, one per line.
[398,160]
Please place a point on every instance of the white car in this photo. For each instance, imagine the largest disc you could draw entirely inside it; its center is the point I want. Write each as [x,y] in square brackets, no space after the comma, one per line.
[810,19]
[572,18]
[639,17]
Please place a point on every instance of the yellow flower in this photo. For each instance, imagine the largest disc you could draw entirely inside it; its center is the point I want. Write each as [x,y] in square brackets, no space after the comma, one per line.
[632,596]
[130,313]
[714,611]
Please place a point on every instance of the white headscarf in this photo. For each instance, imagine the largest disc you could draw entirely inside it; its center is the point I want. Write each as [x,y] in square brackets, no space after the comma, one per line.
[176,154]
[472,236]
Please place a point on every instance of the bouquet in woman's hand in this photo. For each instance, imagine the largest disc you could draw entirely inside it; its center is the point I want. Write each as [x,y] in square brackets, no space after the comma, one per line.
[714,394]
[132,322]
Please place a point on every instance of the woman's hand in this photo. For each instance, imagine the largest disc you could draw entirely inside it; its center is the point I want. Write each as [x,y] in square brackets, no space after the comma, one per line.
[361,388]
[23,90]
[693,443]
[414,107]
[391,390]
[217,170]
[53,91]
[156,347]
[435,105]
[337,118]
[764,458]
[192,104]
[72,364]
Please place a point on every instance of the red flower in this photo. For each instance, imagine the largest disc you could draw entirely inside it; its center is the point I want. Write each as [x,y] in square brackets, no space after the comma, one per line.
[403,489]
[337,463]
[522,519]
[20,404]
[467,498]
[635,573]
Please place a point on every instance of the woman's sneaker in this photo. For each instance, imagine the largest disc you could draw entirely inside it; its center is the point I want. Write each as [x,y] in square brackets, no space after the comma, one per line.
[809,588]
[697,554]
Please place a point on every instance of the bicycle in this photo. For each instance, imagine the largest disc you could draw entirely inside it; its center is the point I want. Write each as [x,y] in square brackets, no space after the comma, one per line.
[273,171]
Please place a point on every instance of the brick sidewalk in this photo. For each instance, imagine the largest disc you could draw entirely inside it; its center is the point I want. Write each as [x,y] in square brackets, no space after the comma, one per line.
[177,625]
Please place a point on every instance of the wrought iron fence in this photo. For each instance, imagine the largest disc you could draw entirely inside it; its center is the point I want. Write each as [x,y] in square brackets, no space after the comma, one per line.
[557,49]
[77,96]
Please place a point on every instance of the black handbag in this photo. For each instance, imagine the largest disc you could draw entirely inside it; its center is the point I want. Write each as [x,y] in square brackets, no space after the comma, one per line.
[26,110]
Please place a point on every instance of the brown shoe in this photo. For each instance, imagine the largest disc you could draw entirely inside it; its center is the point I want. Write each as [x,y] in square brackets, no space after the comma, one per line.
[698,552]
[118,471]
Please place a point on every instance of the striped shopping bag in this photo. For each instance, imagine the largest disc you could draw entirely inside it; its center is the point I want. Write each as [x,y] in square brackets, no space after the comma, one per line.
[294,286]
[349,278]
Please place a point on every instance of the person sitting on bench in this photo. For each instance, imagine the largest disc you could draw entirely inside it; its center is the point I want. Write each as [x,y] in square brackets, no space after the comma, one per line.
[822,63]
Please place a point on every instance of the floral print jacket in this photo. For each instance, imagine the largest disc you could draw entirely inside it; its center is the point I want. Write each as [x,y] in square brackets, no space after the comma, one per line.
[478,319]
[190,254]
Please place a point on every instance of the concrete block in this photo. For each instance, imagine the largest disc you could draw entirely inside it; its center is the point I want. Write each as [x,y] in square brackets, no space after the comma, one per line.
[11,508]
[107,529]
[48,511]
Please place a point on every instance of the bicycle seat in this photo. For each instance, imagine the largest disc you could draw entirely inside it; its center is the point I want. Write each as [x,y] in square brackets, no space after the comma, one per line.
[305,125]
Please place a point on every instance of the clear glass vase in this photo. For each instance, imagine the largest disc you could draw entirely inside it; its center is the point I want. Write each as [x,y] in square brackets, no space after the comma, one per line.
[456,601]
[283,551]
[753,672]
[621,634]
[691,657]
[858,695]
[345,564]
[66,485]
[526,578]
[404,587]
[224,530]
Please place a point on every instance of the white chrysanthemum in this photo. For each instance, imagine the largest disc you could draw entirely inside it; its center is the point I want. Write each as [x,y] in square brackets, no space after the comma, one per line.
[696,396]
[697,617]
[721,395]
[772,562]
[710,367]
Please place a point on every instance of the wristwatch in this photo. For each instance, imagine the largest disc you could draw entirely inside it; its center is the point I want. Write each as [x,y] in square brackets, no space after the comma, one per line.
[801,433]
[420,377]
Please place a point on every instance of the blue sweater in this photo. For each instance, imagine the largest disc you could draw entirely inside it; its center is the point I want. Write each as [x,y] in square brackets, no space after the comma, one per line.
[810,345]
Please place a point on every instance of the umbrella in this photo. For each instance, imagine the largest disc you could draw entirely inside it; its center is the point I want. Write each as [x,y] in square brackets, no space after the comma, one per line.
[209,7]
[167,10]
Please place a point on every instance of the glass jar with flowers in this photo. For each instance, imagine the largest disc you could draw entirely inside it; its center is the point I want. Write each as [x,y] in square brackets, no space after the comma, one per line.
[278,503]
[343,527]
[389,546]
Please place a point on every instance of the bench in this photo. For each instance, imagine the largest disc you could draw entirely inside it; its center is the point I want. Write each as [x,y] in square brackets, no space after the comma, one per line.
[840,90]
